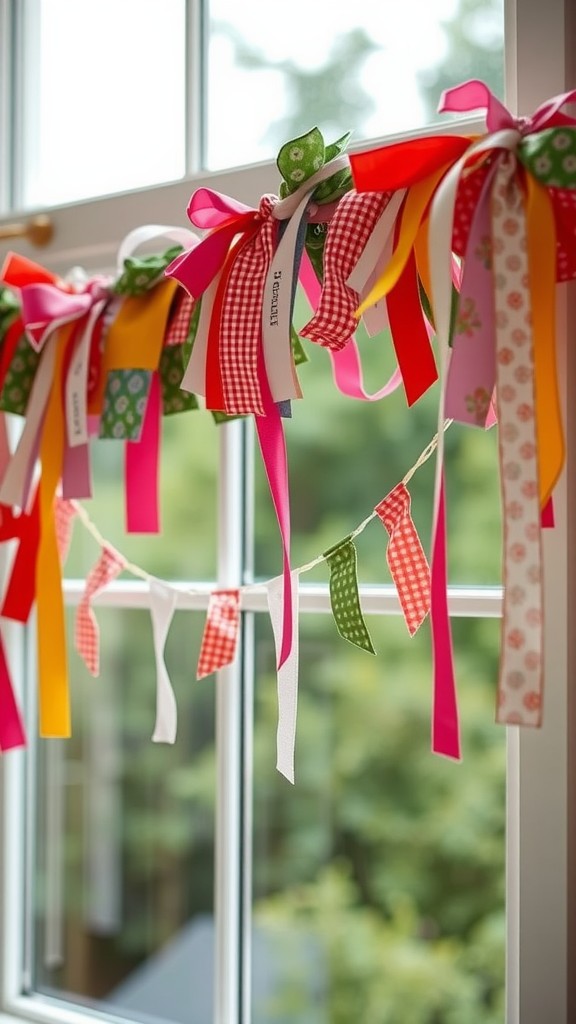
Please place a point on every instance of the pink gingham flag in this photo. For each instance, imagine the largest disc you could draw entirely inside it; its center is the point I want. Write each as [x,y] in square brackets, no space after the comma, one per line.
[405,556]
[64,512]
[220,632]
[87,639]
[179,326]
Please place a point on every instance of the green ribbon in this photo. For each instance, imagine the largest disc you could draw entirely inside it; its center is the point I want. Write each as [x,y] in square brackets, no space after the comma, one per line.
[174,400]
[550,156]
[142,273]
[344,595]
[19,378]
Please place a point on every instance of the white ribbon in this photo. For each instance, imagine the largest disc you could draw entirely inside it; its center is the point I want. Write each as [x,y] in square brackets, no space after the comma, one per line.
[287,675]
[194,379]
[162,605]
[370,255]
[151,233]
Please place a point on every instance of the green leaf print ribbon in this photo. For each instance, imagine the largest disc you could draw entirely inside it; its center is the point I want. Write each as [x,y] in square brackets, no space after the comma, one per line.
[550,156]
[344,596]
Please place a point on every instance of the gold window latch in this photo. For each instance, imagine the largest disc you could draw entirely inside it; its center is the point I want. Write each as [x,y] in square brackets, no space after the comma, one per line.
[37,230]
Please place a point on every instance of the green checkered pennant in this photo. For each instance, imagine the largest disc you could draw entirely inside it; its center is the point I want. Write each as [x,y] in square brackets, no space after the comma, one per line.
[344,596]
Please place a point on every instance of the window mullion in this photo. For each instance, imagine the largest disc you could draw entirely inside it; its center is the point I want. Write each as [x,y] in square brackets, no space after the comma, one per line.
[229,716]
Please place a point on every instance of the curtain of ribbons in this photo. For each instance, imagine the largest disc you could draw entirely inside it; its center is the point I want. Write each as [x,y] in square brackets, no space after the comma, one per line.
[455,243]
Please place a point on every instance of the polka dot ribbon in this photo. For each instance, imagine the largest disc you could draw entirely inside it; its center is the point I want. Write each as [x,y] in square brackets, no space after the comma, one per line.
[87,634]
[220,637]
[520,681]
[405,556]
[344,596]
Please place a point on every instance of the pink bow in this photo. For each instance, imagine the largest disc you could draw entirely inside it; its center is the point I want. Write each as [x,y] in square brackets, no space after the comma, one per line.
[48,306]
[475,95]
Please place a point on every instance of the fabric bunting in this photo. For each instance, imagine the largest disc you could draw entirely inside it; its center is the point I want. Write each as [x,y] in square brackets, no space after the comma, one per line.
[109,565]
[344,595]
[220,636]
[405,556]
[64,513]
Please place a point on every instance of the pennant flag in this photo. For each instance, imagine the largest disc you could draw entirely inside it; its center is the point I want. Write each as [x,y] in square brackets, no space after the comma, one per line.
[107,568]
[287,675]
[64,512]
[344,596]
[220,636]
[405,556]
[162,605]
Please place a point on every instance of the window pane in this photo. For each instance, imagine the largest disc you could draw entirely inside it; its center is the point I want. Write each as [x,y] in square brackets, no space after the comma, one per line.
[105,110]
[123,881]
[186,546]
[371,66]
[345,455]
[378,881]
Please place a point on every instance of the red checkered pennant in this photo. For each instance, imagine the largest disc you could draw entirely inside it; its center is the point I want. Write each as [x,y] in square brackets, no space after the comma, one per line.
[334,322]
[179,326]
[64,512]
[87,639]
[220,632]
[405,556]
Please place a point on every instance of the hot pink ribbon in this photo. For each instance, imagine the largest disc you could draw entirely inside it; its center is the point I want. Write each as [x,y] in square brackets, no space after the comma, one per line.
[46,307]
[87,636]
[220,636]
[475,95]
[141,465]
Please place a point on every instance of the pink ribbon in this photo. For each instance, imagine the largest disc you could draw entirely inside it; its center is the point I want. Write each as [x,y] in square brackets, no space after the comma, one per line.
[220,637]
[475,95]
[141,467]
[445,717]
[12,733]
[87,634]
[45,307]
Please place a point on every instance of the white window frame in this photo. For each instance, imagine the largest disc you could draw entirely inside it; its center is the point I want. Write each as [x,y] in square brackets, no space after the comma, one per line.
[541,822]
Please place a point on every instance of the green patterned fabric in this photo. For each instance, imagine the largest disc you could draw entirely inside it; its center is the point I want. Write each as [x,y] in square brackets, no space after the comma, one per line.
[297,161]
[344,596]
[124,404]
[19,378]
[142,273]
[174,400]
[550,156]
[298,354]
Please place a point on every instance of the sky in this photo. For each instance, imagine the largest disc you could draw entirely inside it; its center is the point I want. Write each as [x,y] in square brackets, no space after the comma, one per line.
[105,107]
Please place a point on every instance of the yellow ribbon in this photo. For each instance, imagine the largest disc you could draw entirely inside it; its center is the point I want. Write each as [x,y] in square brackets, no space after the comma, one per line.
[54,699]
[417,200]
[541,231]
[136,335]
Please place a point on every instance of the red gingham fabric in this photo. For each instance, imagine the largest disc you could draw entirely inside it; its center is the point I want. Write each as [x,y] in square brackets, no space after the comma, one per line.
[220,632]
[87,638]
[357,213]
[180,321]
[241,323]
[64,512]
[405,556]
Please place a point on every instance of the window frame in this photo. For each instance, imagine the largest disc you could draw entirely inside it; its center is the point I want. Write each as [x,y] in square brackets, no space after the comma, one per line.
[541,878]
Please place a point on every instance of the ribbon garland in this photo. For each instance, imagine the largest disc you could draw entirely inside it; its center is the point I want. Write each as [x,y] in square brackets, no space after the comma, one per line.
[461,237]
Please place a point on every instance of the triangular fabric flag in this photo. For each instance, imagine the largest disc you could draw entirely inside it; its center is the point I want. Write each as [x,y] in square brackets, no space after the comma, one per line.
[344,596]
[287,675]
[64,512]
[220,636]
[405,556]
[107,568]
[162,605]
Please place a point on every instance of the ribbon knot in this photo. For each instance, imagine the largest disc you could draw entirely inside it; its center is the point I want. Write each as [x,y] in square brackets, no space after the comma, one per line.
[475,95]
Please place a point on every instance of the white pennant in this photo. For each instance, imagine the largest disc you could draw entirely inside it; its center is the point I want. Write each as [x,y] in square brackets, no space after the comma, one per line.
[162,605]
[287,675]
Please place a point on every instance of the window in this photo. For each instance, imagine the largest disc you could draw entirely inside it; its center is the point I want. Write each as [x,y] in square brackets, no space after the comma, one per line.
[190,883]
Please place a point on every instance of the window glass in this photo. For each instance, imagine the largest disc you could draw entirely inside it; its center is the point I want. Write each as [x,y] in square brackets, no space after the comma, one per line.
[373,67]
[345,455]
[124,857]
[378,881]
[104,98]
[186,546]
